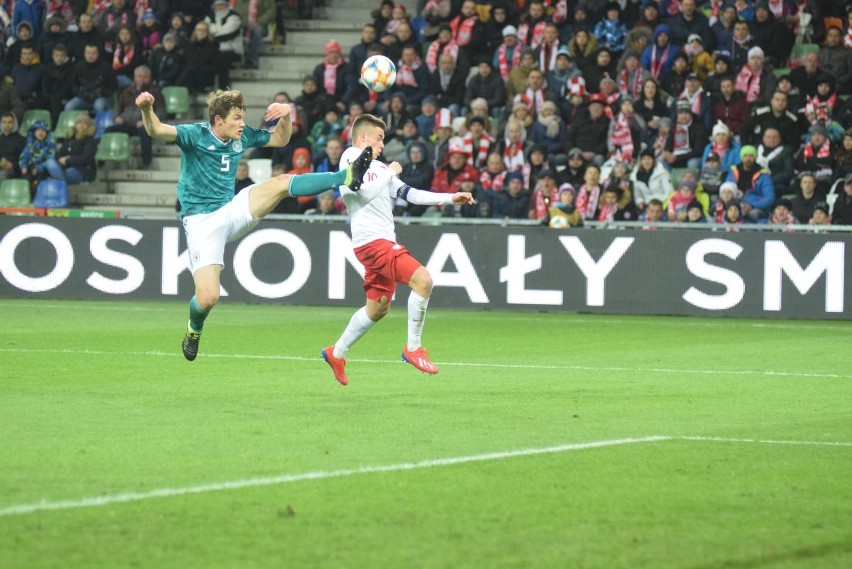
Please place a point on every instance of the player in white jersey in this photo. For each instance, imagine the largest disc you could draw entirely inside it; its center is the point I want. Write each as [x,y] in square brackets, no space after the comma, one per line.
[385,261]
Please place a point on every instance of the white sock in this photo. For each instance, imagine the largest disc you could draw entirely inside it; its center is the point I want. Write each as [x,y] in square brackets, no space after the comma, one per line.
[358,325]
[416,319]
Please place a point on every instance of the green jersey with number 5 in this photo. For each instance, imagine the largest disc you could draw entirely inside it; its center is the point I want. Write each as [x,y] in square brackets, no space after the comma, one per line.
[208,166]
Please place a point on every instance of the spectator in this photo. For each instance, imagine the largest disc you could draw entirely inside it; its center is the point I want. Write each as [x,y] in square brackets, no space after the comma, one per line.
[507,56]
[631,75]
[203,52]
[149,34]
[776,158]
[325,205]
[531,28]
[816,155]
[491,180]
[412,78]
[589,193]
[584,48]
[678,202]
[741,43]
[782,213]
[723,146]
[255,15]
[26,77]
[623,136]
[603,67]
[23,36]
[435,13]
[127,56]
[558,78]
[545,54]
[536,163]
[650,17]
[548,131]
[56,82]
[477,142]
[447,84]
[181,27]
[691,21]
[563,213]
[75,160]
[729,194]
[314,101]
[324,129]
[513,147]
[721,69]
[544,194]
[494,26]
[10,102]
[331,75]
[417,173]
[723,27]
[589,131]
[700,61]
[469,34]
[731,107]
[487,85]
[695,213]
[396,116]
[650,180]
[329,161]
[242,180]
[93,82]
[396,150]
[518,76]
[443,133]
[808,75]
[575,170]
[283,156]
[686,141]
[444,44]
[55,32]
[658,58]
[118,13]
[610,31]
[226,27]
[86,34]
[755,183]
[841,214]
[699,102]
[513,201]
[37,152]
[11,145]
[166,63]
[30,12]
[712,175]
[836,59]
[775,115]
[807,198]
[455,174]
[773,36]
[654,212]
[650,107]
[358,52]
[754,80]
[821,215]
[843,156]
[129,116]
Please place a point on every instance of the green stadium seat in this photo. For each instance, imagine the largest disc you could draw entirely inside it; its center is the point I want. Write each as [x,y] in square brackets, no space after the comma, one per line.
[15,192]
[33,115]
[676,175]
[66,120]
[177,100]
[51,194]
[114,147]
[781,72]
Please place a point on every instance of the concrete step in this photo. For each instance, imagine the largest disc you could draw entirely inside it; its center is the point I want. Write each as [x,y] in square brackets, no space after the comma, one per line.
[339,23]
[151,175]
[118,201]
[316,38]
[164,188]
[101,187]
[355,14]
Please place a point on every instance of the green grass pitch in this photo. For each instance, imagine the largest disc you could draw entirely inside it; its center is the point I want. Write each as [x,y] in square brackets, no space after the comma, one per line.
[546,440]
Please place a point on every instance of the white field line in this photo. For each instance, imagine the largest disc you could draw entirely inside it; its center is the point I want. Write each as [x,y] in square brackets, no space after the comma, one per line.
[157,353]
[555,318]
[765,441]
[45,505]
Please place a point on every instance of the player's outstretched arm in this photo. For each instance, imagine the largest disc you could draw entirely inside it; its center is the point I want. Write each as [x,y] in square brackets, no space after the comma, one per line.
[153,126]
[462,198]
[283,130]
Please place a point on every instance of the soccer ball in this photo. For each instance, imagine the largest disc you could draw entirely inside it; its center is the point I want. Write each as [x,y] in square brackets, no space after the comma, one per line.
[378,73]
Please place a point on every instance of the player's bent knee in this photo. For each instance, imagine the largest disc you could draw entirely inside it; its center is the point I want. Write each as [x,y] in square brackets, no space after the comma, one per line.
[207,299]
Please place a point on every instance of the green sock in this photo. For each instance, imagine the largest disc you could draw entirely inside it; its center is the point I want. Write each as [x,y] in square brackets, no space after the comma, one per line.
[316,182]
[196,315]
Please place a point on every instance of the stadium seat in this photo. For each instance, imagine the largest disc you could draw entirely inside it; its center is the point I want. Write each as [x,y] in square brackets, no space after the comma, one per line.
[51,193]
[114,146]
[177,100]
[800,50]
[33,115]
[676,175]
[15,192]
[66,120]
[781,72]
[260,169]
[103,120]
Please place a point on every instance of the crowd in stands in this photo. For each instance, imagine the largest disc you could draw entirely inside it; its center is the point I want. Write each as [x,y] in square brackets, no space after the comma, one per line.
[568,111]
[562,111]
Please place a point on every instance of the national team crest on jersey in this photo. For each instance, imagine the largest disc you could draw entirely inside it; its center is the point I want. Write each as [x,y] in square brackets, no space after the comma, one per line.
[237,146]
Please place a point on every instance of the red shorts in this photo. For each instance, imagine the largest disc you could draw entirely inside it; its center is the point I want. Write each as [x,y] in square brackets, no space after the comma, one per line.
[385,264]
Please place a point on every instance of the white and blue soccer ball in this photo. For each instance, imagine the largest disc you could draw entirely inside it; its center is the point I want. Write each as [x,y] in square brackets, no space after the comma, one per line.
[378,73]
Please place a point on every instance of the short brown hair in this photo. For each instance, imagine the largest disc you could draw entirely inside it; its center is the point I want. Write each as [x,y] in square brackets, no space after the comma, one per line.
[220,103]
[366,121]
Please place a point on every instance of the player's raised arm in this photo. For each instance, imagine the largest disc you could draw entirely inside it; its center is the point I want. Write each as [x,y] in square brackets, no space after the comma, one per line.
[155,129]
[284,128]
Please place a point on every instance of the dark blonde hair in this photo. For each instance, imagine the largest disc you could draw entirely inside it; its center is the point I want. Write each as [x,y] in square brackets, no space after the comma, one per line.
[220,103]
[366,121]
[86,131]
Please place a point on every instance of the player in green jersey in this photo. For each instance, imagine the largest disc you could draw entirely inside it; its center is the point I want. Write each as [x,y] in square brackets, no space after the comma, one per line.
[211,214]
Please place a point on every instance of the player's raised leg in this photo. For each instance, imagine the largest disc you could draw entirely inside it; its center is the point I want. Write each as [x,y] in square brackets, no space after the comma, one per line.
[268,194]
